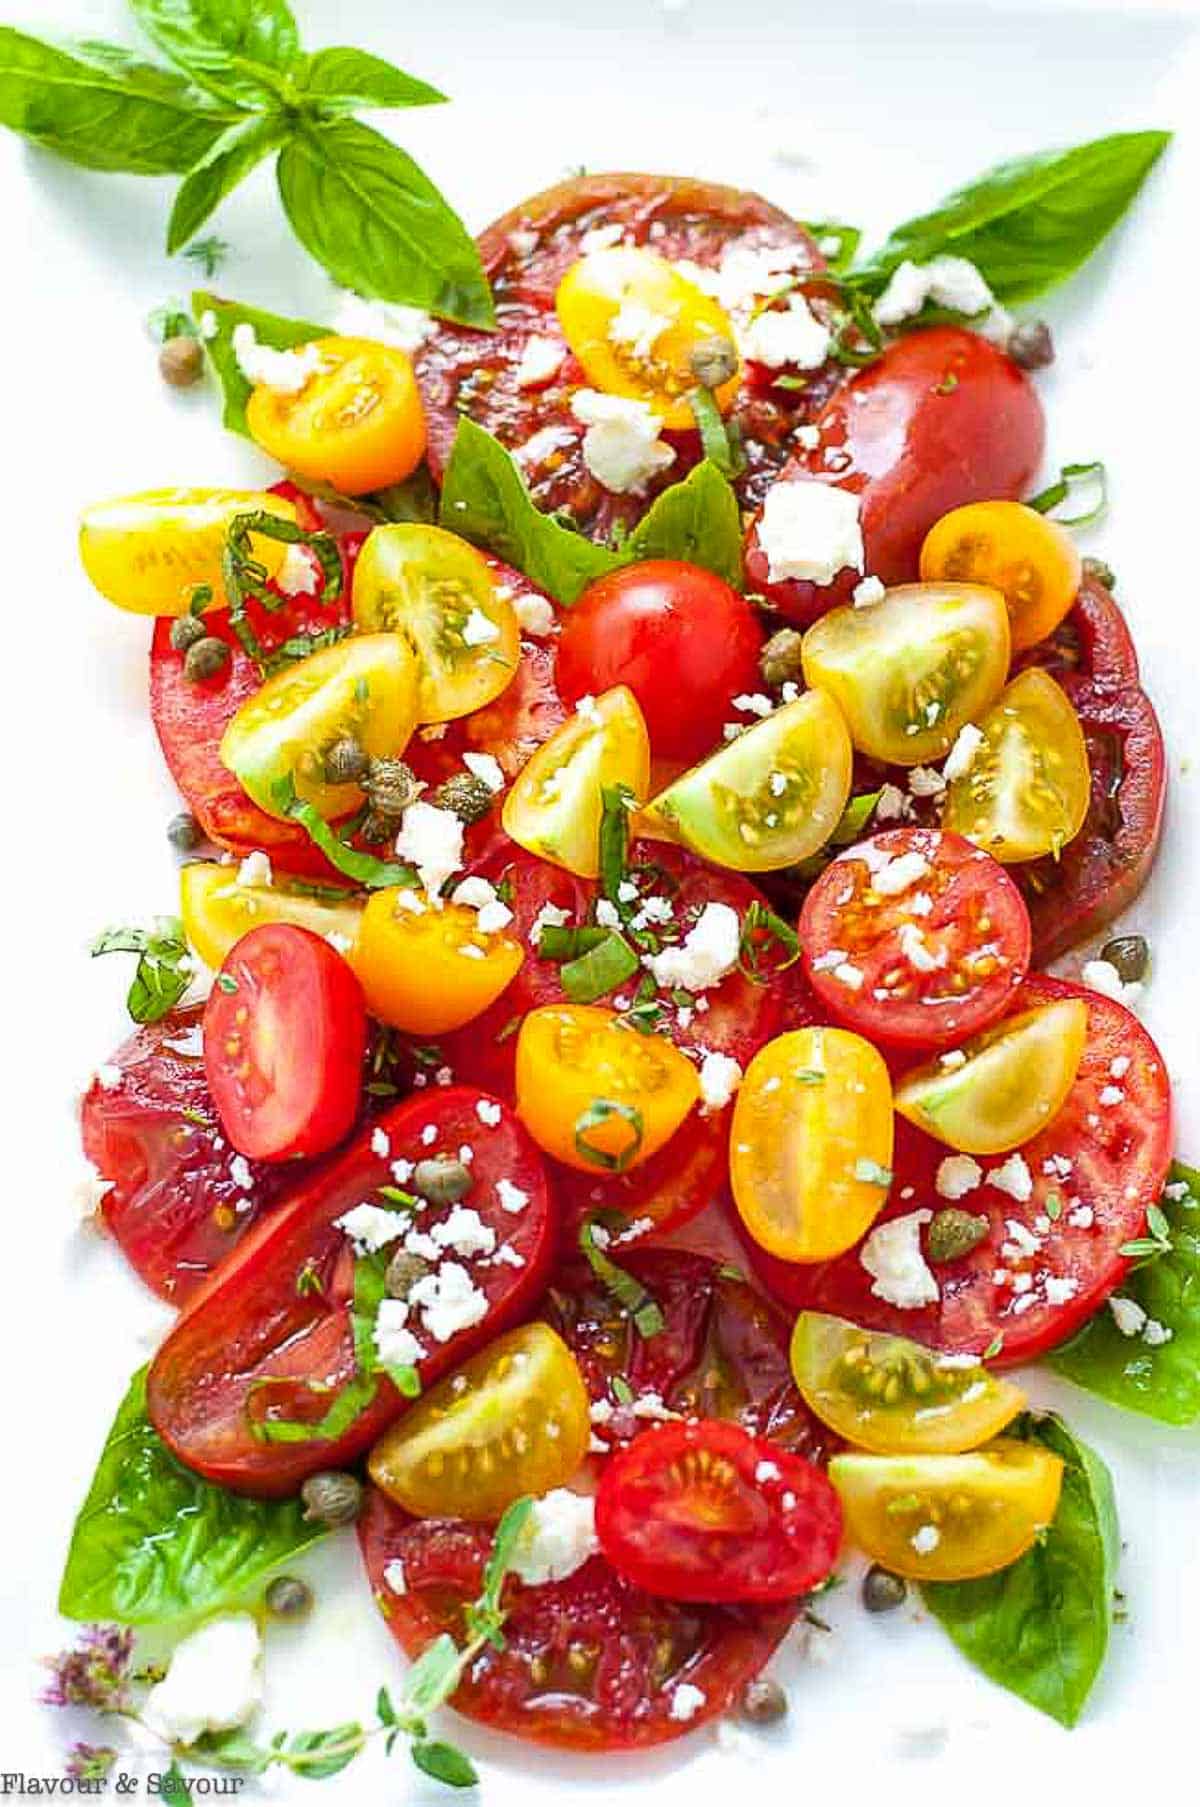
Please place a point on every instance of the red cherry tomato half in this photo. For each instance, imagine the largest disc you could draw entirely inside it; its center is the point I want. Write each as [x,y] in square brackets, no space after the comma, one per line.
[940,419]
[683,641]
[285,1033]
[925,965]
[590,1663]
[705,1511]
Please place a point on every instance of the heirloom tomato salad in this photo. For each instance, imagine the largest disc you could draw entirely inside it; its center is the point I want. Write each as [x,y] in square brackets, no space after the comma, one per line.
[601,1108]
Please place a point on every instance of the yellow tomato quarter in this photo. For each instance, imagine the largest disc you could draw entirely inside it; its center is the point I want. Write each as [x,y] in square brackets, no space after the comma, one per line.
[1027,788]
[356,422]
[1031,560]
[148,552]
[555,806]
[217,908]
[430,970]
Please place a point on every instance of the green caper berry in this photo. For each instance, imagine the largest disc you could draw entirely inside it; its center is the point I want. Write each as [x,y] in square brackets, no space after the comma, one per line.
[1100,572]
[205,659]
[187,632]
[1031,345]
[713,361]
[181,360]
[403,1272]
[763,1701]
[183,832]
[467,796]
[1130,954]
[345,761]
[779,660]
[953,1234]
[882,1591]
[332,1497]
[288,1597]
[442,1180]
[391,786]
[376,829]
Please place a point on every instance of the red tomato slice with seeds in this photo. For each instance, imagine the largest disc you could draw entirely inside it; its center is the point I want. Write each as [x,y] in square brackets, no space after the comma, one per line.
[1092,643]
[919,962]
[269,1341]
[1092,1175]
[661,1194]
[590,1663]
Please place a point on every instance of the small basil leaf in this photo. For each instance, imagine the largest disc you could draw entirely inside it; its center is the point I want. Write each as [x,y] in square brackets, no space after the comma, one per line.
[342,79]
[697,521]
[599,970]
[239,49]
[274,330]
[238,151]
[363,208]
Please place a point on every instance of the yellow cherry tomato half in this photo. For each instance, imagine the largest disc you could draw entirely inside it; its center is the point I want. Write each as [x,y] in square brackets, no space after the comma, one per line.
[555,807]
[810,1149]
[365,687]
[1027,788]
[896,1397]
[594,1093]
[910,671]
[948,1518]
[635,323]
[217,908]
[1031,560]
[770,798]
[148,552]
[357,422]
[511,1421]
[1012,1084]
[441,595]
[428,970]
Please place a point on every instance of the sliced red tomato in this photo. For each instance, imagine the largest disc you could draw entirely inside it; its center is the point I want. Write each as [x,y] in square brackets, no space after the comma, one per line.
[178,1202]
[940,419]
[1092,1173]
[1092,643]
[925,965]
[260,1345]
[589,1663]
[662,1194]
[285,1033]
[722,1351]
[705,1511]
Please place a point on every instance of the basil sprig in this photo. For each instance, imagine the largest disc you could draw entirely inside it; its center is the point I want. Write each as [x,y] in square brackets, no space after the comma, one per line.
[243,89]
[164,969]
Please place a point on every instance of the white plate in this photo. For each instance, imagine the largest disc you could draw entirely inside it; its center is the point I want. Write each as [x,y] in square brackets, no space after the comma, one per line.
[863,112]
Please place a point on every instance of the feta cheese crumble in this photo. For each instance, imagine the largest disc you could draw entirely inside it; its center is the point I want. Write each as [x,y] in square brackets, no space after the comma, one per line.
[557,1538]
[708,951]
[388,323]
[621,447]
[432,839]
[1013,1177]
[720,1077]
[486,768]
[810,530]
[961,756]
[255,869]
[371,1227]
[297,574]
[957,1175]
[540,360]
[449,1301]
[395,1344]
[214,1682]
[535,614]
[788,335]
[950,282]
[687,1700]
[286,371]
[893,1258]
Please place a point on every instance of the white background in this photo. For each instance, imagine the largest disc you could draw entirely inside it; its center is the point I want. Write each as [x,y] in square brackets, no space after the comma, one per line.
[861,112]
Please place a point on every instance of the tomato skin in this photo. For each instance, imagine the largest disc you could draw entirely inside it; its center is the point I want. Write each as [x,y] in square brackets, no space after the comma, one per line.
[666,1191]
[1091,643]
[325,432]
[639,1647]
[913,445]
[249,1323]
[679,637]
[704,1511]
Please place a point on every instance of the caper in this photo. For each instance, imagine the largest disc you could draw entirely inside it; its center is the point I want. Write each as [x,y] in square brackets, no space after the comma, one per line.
[205,659]
[1130,954]
[390,786]
[953,1234]
[763,1701]
[1030,345]
[713,361]
[465,794]
[345,761]
[181,360]
[403,1272]
[1100,572]
[375,829]
[183,832]
[882,1591]
[779,660]
[443,1180]
[186,631]
[332,1497]
[289,1598]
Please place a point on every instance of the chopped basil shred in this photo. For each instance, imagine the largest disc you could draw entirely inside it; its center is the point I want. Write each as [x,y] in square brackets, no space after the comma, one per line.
[633,1298]
[719,447]
[604,966]
[244,577]
[374,874]
[1071,476]
[616,802]
[762,931]
[603,1110]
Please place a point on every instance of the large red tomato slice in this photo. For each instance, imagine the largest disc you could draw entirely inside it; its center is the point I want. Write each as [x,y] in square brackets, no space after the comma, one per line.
[1092,1174]
[589,1663]
[940,419]
[261,1345]
[1092,642]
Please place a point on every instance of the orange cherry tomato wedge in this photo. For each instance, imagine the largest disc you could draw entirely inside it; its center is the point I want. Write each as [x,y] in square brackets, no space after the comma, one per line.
[1032,561]
[429,970]
[357,423]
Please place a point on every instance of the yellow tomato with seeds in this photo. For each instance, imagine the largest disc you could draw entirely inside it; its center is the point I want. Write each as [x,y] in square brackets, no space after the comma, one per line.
[556,805]
[511,1421]
[1027,789]
[1031,560]
[810,1149]
[595,1094]
[896,1397]
[635,323]
[217,909]
[148,552]
[429,970]
[949,1518]
[357,422]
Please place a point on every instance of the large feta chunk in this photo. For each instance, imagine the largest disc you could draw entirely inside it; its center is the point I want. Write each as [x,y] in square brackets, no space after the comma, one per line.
[788,335]
[287,371]
[810,530]
[621,447]
[898,1269]
[556,1539]
[707,952]
[214,1682]
[432,839]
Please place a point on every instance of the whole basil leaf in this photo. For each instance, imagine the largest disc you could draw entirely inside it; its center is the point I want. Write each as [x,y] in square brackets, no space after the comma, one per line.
[363,208]
[342,78]
[155,1543]
[1161,1381]
[275,330]
[1040,1627]
[239,49]
[698,521]
[1030,223]
[102,108]
[233,156]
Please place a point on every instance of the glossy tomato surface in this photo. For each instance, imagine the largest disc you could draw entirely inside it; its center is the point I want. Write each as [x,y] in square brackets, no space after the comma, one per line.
[1101,1165]
[589,1663]
[255,1340]
[1092,642]
[940,419]
[662,1194]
